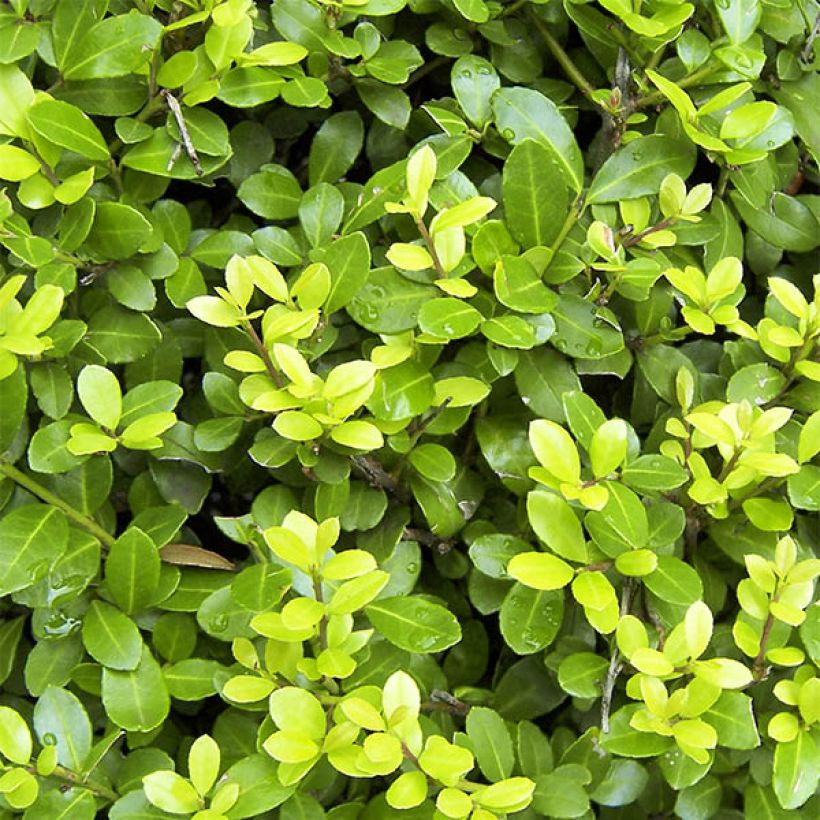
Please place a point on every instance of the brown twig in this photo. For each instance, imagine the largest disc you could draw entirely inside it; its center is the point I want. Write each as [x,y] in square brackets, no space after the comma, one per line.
[441,701]
[377,476]
[429,539]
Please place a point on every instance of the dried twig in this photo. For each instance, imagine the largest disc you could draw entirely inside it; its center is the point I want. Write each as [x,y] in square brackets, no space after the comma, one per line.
[173,104]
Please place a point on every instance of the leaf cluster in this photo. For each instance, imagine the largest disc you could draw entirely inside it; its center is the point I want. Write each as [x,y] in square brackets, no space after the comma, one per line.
[409,408]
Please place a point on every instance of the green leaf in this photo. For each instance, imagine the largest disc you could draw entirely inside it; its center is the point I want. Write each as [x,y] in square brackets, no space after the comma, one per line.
[170,792]
[625,741]
[390,104]
[15,737]
[120,335]
[674,581]
[132,570]
[540,570]
[795,773]
[582,674]
[535,194]
[739,18]
[66,125]
[448,318]
[401,392]
[99,392]
[653,473]
[701,800]
[474,80]
[31,538]
[582,330]
[414,624]
[542,377]
[272,193]
[521,113]
[555,450]
[59,717]
[136,701]
[10,633]
[639,168]
[112,47]
[559,795]
[13,400]
[556,525]
[348,260]
[335,147]
[110,637]
[118,231]
[607,449]
[491,743]
[530,618]
[387,302]
[621,525]
[733,718]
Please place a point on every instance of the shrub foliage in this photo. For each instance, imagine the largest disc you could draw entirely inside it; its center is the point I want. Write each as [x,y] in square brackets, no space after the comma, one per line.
[409,408]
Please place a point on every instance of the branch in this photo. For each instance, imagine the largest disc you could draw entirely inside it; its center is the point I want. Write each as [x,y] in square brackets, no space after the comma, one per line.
[431,247]
[615,663]
[429,539]
[378,477]
[263,352]
[759,667]
[565,61]
[28,483]
[441,701]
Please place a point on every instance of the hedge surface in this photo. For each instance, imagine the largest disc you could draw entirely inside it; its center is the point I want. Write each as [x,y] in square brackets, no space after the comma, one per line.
[409,409]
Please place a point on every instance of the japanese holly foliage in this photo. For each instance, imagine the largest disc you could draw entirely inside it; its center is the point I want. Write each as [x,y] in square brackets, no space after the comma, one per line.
[409,408]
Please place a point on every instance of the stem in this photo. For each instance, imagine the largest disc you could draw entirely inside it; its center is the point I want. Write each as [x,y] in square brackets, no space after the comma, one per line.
[804,352]
[601,566]
[615,663]
[431,247]
[263,352]
[28,483]
[424,70]
[761,489]
[723,180]
[759,668]
[513,7]
[73,779]
[565,61]
[656,98]
[655,59]
[150,108]
[377,476]
[629,241]
[808,50]
[441,701]
[428,539]
[575,213]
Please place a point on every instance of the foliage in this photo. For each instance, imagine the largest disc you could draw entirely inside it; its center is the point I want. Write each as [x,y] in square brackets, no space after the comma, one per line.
[409,408]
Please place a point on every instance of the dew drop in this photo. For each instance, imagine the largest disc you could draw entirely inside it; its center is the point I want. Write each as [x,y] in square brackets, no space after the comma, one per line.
[49,739]
[219,623]
[508,134]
